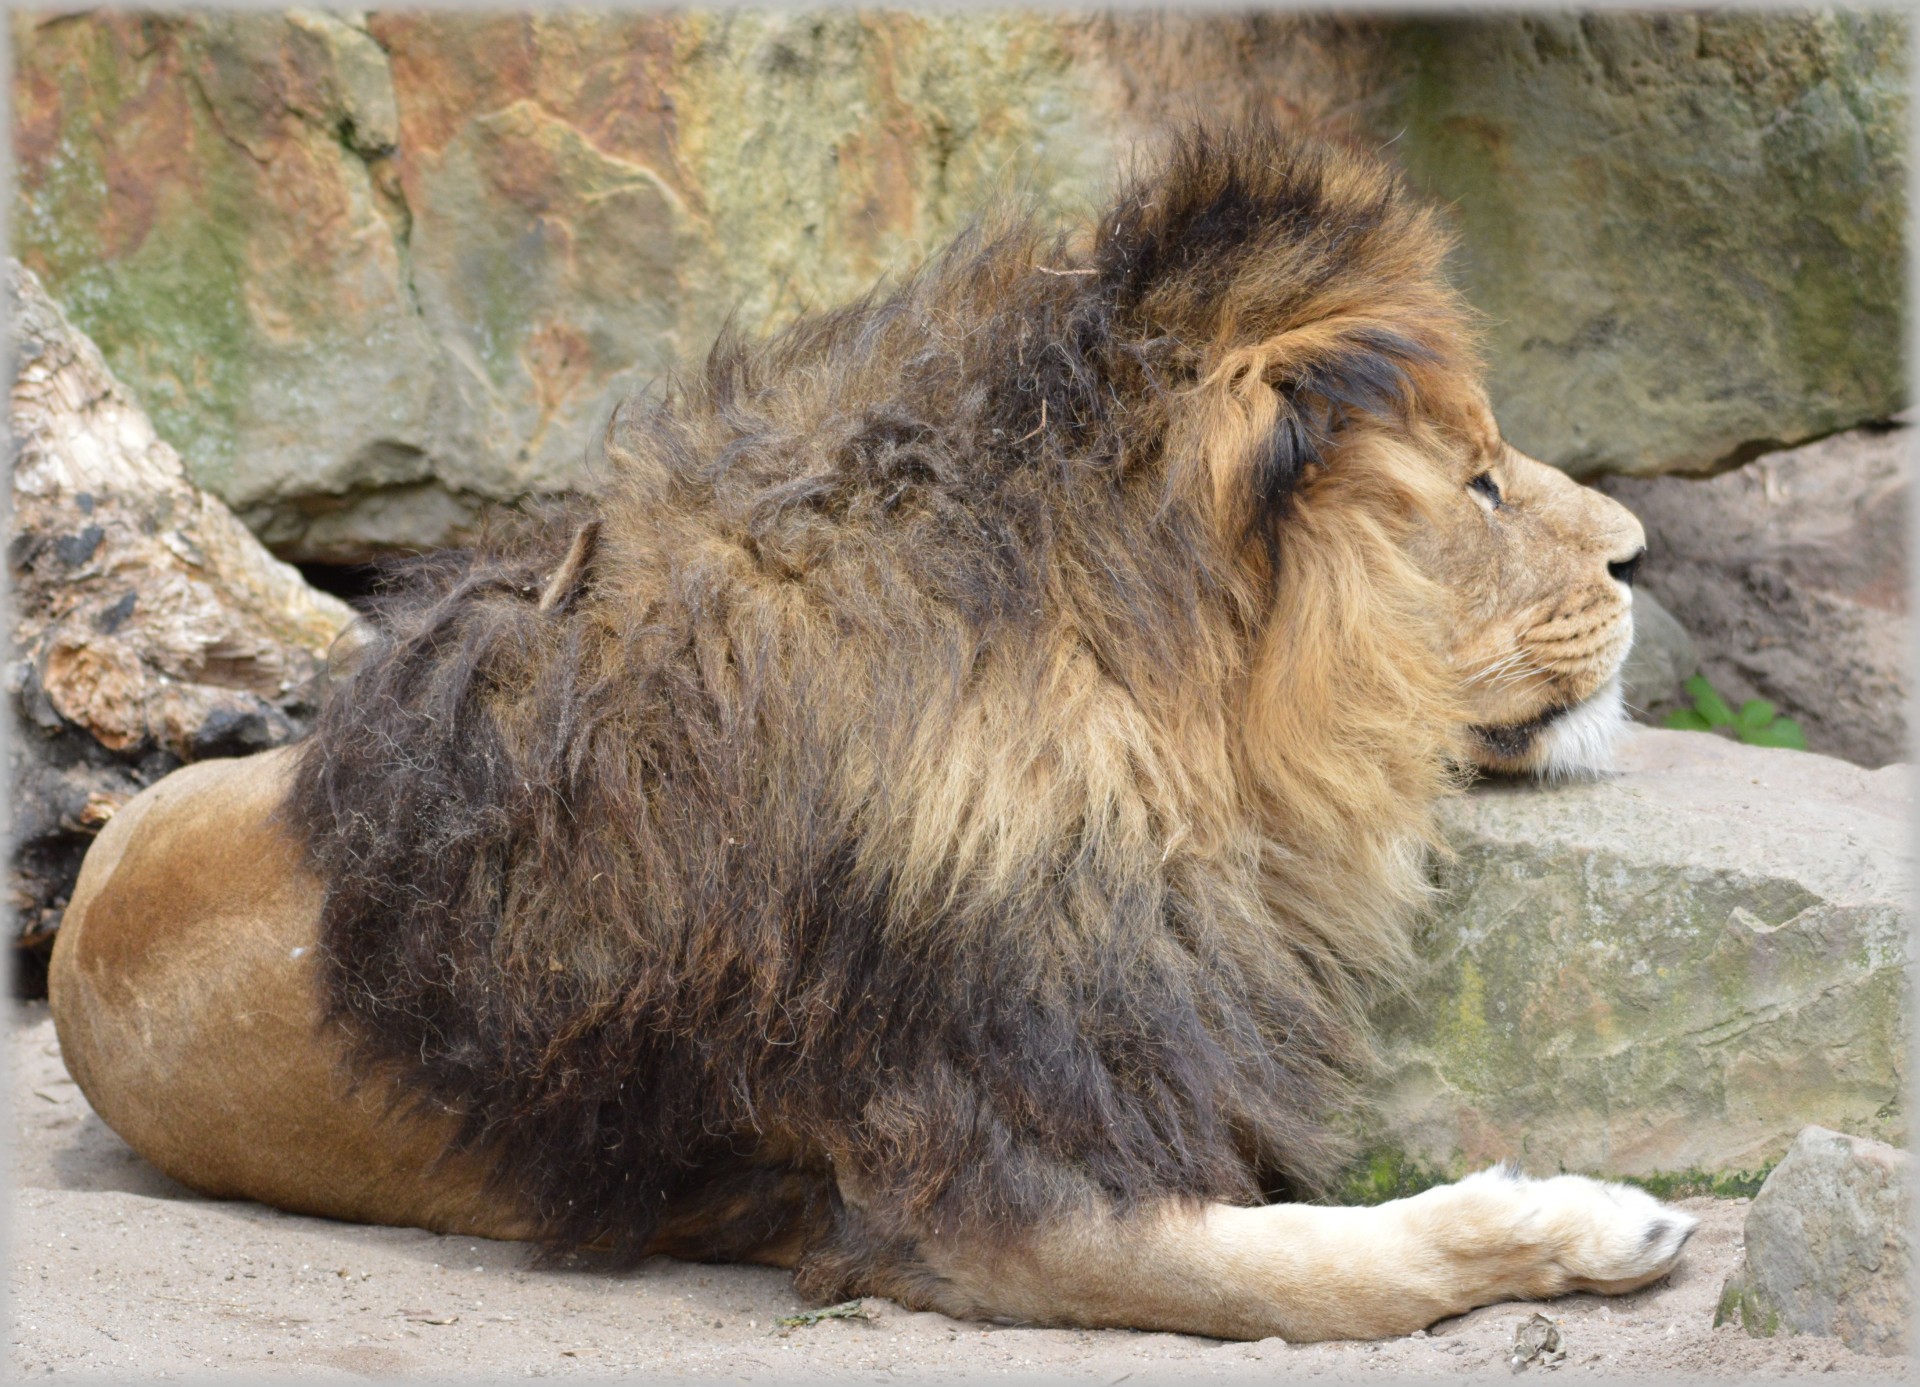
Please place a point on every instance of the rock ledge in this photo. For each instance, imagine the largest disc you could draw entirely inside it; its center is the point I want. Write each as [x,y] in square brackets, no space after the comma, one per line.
[1668,973]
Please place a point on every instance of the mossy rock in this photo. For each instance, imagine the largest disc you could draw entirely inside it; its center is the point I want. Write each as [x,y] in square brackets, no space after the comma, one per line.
[1827,1247]
[1663,975]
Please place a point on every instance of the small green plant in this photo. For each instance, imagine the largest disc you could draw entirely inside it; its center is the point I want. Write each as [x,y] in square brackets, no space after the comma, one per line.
[1757,723]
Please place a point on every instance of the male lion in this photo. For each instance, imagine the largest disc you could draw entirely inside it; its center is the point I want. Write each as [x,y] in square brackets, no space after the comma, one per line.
[935,819]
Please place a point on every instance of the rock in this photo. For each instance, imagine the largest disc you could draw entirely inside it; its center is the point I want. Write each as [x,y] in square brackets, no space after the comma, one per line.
[1686,229]
[1791,575]
[150,628]
[1663,656]
[1827,1247]
[1536,1340]
[1665,974]
[213,206]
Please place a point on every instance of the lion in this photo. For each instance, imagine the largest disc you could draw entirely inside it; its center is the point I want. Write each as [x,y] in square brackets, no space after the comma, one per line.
[935,816]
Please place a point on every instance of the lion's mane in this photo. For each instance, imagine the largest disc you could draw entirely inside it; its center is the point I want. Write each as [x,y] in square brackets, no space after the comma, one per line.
[978,747]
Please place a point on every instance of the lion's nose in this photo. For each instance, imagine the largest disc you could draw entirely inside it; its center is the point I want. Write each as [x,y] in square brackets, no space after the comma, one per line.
[1624,569]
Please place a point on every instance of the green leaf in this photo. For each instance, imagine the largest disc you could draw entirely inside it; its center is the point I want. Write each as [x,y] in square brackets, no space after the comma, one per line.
[1783,732]
[1686,720]
[1707,699]
[1756,713]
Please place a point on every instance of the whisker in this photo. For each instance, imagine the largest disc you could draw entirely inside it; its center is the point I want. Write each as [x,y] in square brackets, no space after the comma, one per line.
[1495,668]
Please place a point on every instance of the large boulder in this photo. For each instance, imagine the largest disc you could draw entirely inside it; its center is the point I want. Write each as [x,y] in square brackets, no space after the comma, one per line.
[1790,574]
[1829,1247]
[150,627]
[1687,229]
[1665,974]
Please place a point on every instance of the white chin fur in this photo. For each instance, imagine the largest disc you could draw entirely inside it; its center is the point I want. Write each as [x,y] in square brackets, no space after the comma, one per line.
[1581,743]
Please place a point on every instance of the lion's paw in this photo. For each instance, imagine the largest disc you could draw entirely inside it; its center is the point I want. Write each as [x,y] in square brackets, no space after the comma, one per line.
[1590,1235]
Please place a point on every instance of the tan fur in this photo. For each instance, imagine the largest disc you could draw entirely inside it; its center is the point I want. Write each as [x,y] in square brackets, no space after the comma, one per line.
[1272,764]
[184,996]
[1304,1272]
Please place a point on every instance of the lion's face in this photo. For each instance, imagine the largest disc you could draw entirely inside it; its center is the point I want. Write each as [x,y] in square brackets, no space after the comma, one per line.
[1539,570]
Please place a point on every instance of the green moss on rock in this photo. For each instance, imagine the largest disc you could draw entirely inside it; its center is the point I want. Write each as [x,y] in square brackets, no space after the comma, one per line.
[1386,1173]
[1686,1184]
[1739,1305]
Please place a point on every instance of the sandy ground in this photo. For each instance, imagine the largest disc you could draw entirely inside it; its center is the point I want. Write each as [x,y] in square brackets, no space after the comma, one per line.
[118,1272]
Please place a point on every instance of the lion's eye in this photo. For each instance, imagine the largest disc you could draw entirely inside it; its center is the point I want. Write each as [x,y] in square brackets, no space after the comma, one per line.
[1487,487]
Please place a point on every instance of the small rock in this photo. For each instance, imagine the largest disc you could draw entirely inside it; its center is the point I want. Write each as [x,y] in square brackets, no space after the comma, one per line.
[1827,1248]
[1537,1340]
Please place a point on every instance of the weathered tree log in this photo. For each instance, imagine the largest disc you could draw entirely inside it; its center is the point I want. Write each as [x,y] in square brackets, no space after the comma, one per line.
[150,627]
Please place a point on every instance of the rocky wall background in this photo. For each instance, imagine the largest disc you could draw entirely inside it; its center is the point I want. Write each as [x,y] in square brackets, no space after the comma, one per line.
[1685,229]
[368,270]
[371,271]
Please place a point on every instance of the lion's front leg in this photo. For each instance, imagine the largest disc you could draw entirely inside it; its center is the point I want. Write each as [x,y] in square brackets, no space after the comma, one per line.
[1305,1272]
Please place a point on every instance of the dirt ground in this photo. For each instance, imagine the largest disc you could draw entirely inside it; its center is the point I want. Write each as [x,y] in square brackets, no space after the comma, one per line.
[118,1272]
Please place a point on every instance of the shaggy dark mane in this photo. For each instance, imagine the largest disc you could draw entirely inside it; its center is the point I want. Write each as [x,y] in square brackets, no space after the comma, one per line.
[862,800]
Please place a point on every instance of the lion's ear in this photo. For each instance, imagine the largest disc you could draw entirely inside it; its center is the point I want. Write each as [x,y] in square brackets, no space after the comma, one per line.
[1304,286]
[1268,414]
